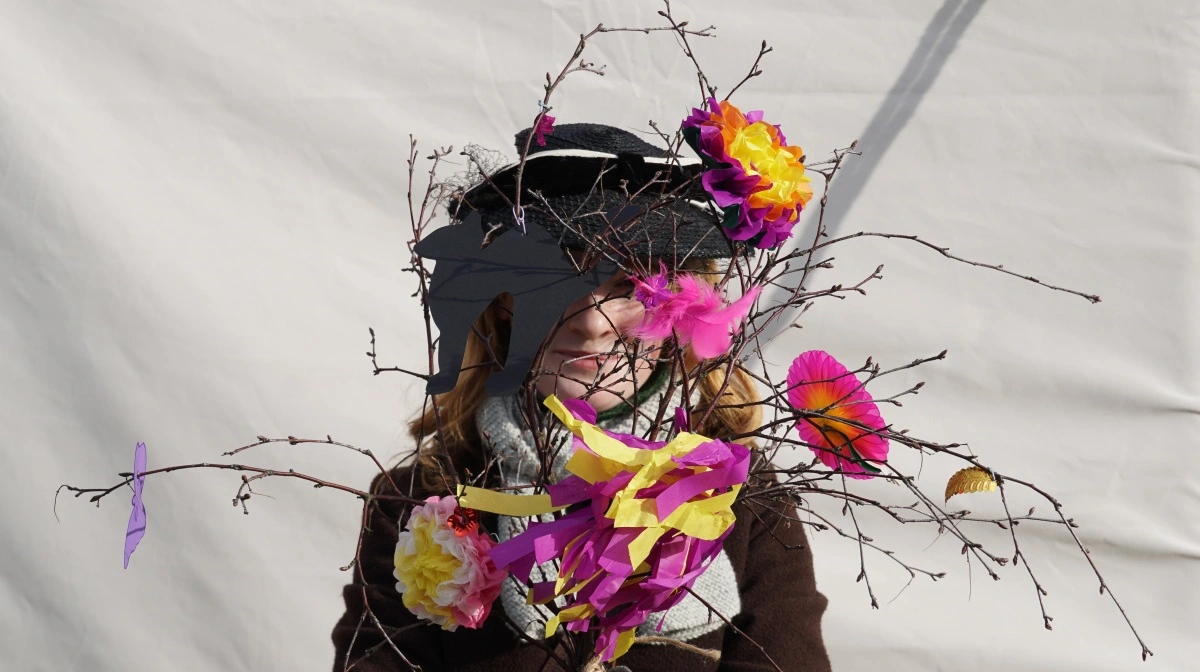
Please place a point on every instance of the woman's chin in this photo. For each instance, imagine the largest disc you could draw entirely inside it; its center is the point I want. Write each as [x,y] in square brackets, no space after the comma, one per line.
[570,387]
[563,387]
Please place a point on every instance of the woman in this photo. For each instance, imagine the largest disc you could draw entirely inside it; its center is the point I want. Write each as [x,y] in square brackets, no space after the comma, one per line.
[763,580]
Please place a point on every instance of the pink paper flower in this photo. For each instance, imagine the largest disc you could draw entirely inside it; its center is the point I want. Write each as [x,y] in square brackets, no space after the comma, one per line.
[442,566]
[817,382]
[696,313]
[545,126]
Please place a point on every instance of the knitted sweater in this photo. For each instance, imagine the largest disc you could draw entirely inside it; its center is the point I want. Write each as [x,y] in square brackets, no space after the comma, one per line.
[781,608]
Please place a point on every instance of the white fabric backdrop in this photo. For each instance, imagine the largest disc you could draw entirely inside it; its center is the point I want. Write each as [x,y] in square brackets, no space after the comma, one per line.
[202,211]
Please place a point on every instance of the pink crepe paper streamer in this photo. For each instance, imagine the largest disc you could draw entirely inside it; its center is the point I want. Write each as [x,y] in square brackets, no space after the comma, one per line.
[682,421]
[598,555]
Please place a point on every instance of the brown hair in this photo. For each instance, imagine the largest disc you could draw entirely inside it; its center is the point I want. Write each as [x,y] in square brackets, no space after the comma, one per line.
[487,346]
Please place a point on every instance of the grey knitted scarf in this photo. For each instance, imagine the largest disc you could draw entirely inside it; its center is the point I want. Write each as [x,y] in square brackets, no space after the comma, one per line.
[500,424]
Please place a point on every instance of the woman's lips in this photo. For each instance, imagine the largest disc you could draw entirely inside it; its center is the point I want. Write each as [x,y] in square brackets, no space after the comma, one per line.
[591,361]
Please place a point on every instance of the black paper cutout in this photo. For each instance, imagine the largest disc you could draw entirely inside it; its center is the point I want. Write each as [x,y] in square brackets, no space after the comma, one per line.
[531,267]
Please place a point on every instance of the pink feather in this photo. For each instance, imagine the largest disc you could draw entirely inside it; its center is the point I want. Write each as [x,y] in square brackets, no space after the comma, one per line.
[662,308]
[712,325]
[696,313]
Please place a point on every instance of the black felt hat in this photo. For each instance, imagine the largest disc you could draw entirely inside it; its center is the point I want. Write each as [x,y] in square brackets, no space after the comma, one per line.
[575,185]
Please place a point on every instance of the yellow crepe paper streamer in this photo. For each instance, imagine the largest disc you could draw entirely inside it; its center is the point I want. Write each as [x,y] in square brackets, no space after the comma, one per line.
[519,506]
[624,641]
[705,519]
[577,612]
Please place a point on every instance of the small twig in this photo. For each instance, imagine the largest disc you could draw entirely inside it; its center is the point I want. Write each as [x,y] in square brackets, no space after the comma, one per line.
[754,71]
[945,251]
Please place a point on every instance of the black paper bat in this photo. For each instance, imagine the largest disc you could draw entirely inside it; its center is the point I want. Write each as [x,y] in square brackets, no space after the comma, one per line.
[531,267]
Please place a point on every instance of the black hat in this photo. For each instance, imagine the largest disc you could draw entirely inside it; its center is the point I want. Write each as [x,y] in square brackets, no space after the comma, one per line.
[586,174]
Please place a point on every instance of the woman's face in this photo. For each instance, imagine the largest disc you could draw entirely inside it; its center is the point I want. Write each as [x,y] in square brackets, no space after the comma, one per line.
[592,352]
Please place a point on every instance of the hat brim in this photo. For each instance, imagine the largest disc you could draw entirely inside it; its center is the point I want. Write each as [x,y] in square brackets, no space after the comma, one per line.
[574,171]
[568,192]
[671,231]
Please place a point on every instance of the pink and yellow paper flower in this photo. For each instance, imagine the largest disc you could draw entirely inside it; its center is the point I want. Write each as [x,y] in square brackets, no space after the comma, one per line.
[695,313]
[443,569]
[752,173]
[644,520]
[819,383]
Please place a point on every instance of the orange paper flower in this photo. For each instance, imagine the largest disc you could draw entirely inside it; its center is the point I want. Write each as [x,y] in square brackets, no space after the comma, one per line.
[754,174]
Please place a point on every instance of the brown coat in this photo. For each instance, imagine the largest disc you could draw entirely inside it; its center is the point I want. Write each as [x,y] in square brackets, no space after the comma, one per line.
[781,609]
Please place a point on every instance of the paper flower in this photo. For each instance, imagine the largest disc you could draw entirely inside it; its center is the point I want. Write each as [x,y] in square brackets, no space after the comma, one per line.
[818,382]
[442,566]
[646,519]
[545,126]
[652,290]
[753,174]
[696,313]
[137,517]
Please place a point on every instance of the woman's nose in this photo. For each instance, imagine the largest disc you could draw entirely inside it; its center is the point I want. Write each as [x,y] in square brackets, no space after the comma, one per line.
[586,318]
